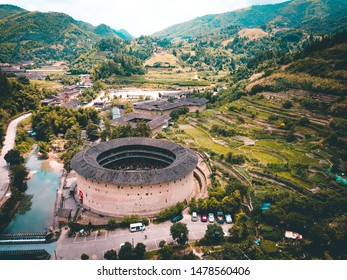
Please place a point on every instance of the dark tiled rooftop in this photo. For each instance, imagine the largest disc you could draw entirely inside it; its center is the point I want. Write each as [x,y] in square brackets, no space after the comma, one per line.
[152,120]
[165,105]
[85,163]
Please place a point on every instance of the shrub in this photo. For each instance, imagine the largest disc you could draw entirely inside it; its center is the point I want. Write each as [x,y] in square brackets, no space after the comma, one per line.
[169,213]
[287,104]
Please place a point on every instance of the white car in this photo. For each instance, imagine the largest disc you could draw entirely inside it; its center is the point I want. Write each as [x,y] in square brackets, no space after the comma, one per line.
[211,218]
[228,219]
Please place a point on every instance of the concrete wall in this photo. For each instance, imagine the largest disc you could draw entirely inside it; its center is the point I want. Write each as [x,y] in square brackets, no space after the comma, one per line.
[125,200]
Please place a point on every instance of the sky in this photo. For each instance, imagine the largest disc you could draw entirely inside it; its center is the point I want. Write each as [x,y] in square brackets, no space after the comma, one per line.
[139,17]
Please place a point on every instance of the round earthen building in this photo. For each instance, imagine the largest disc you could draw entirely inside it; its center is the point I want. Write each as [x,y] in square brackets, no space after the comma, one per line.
[140,176]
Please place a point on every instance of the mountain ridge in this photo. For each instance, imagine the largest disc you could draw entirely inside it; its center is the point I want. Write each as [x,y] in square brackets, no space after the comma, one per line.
[286,14]
[31,34]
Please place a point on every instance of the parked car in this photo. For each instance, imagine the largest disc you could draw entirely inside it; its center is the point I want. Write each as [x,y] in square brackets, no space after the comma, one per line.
[228,219]
[211,217]
[204,218]
[177,218]
[220,217]
[194,217]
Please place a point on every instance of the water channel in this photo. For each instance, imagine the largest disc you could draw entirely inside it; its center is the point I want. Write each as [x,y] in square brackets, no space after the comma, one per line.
[36,211]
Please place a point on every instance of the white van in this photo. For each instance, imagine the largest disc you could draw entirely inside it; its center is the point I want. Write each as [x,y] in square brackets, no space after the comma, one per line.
[137,227]
[194,217]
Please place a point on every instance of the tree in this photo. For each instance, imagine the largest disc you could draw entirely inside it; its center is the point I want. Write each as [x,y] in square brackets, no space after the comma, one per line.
[140,251]
[74,134]
[13,157]
[128,108]
[214,235]
[229,157]
[193,205]
[98,86]
[23,80]
[162,243]
[84,257]
[43,149]
[111,223]
[166,252]
[287,104]
[126,252]
[179,233]
[127,220]
[175,114]
[304,121]
[110,255]
[18,176]
[142,130]
[92,131]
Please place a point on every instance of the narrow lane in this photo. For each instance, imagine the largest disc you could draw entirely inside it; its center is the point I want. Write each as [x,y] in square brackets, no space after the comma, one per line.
[8,145]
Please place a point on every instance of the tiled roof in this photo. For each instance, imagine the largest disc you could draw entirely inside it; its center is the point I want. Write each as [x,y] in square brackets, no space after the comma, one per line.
[85,163]
[165,105]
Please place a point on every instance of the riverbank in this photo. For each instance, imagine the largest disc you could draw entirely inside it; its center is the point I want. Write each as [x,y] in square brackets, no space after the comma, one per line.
[36,213]
[8,145]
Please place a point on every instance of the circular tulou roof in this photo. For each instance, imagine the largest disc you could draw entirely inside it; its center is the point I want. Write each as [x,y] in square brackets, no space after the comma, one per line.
[85,163]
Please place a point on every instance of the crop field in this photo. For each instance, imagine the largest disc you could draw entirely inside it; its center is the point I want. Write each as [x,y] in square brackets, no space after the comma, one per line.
[203,140]
[260,142]
[266,158]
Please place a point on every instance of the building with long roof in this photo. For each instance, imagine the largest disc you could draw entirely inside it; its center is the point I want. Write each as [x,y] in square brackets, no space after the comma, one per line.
[155,123]
[166,107]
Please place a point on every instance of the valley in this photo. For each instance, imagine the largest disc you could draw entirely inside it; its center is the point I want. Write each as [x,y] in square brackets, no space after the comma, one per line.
[272,130]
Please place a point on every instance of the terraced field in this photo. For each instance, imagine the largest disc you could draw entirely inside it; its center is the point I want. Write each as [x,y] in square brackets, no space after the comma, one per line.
[203,140]
[262,143]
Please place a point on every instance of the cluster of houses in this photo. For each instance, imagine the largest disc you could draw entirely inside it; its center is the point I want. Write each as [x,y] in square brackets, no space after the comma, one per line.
[157,113]
[67,97]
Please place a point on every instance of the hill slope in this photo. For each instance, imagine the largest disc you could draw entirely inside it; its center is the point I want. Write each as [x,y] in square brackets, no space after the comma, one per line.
[321,68]
[39,36]
[7,10]
[287,14]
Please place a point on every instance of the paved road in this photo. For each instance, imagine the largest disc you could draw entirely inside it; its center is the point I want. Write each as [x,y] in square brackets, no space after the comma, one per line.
[8,145]
[71,248]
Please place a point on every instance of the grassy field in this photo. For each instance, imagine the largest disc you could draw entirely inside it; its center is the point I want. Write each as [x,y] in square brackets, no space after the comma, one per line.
[266,158]
[46,84]
[290,177]
[163,58]
[160,78]
[203,140]
[253,33]
[288,151]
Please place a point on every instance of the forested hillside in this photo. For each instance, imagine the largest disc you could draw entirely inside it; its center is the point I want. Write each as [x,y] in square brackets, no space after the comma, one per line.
[39,36]
[109,57]
[318,16]
[17,95]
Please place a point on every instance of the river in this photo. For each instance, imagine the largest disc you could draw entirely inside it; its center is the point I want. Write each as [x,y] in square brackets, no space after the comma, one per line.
[36,211]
